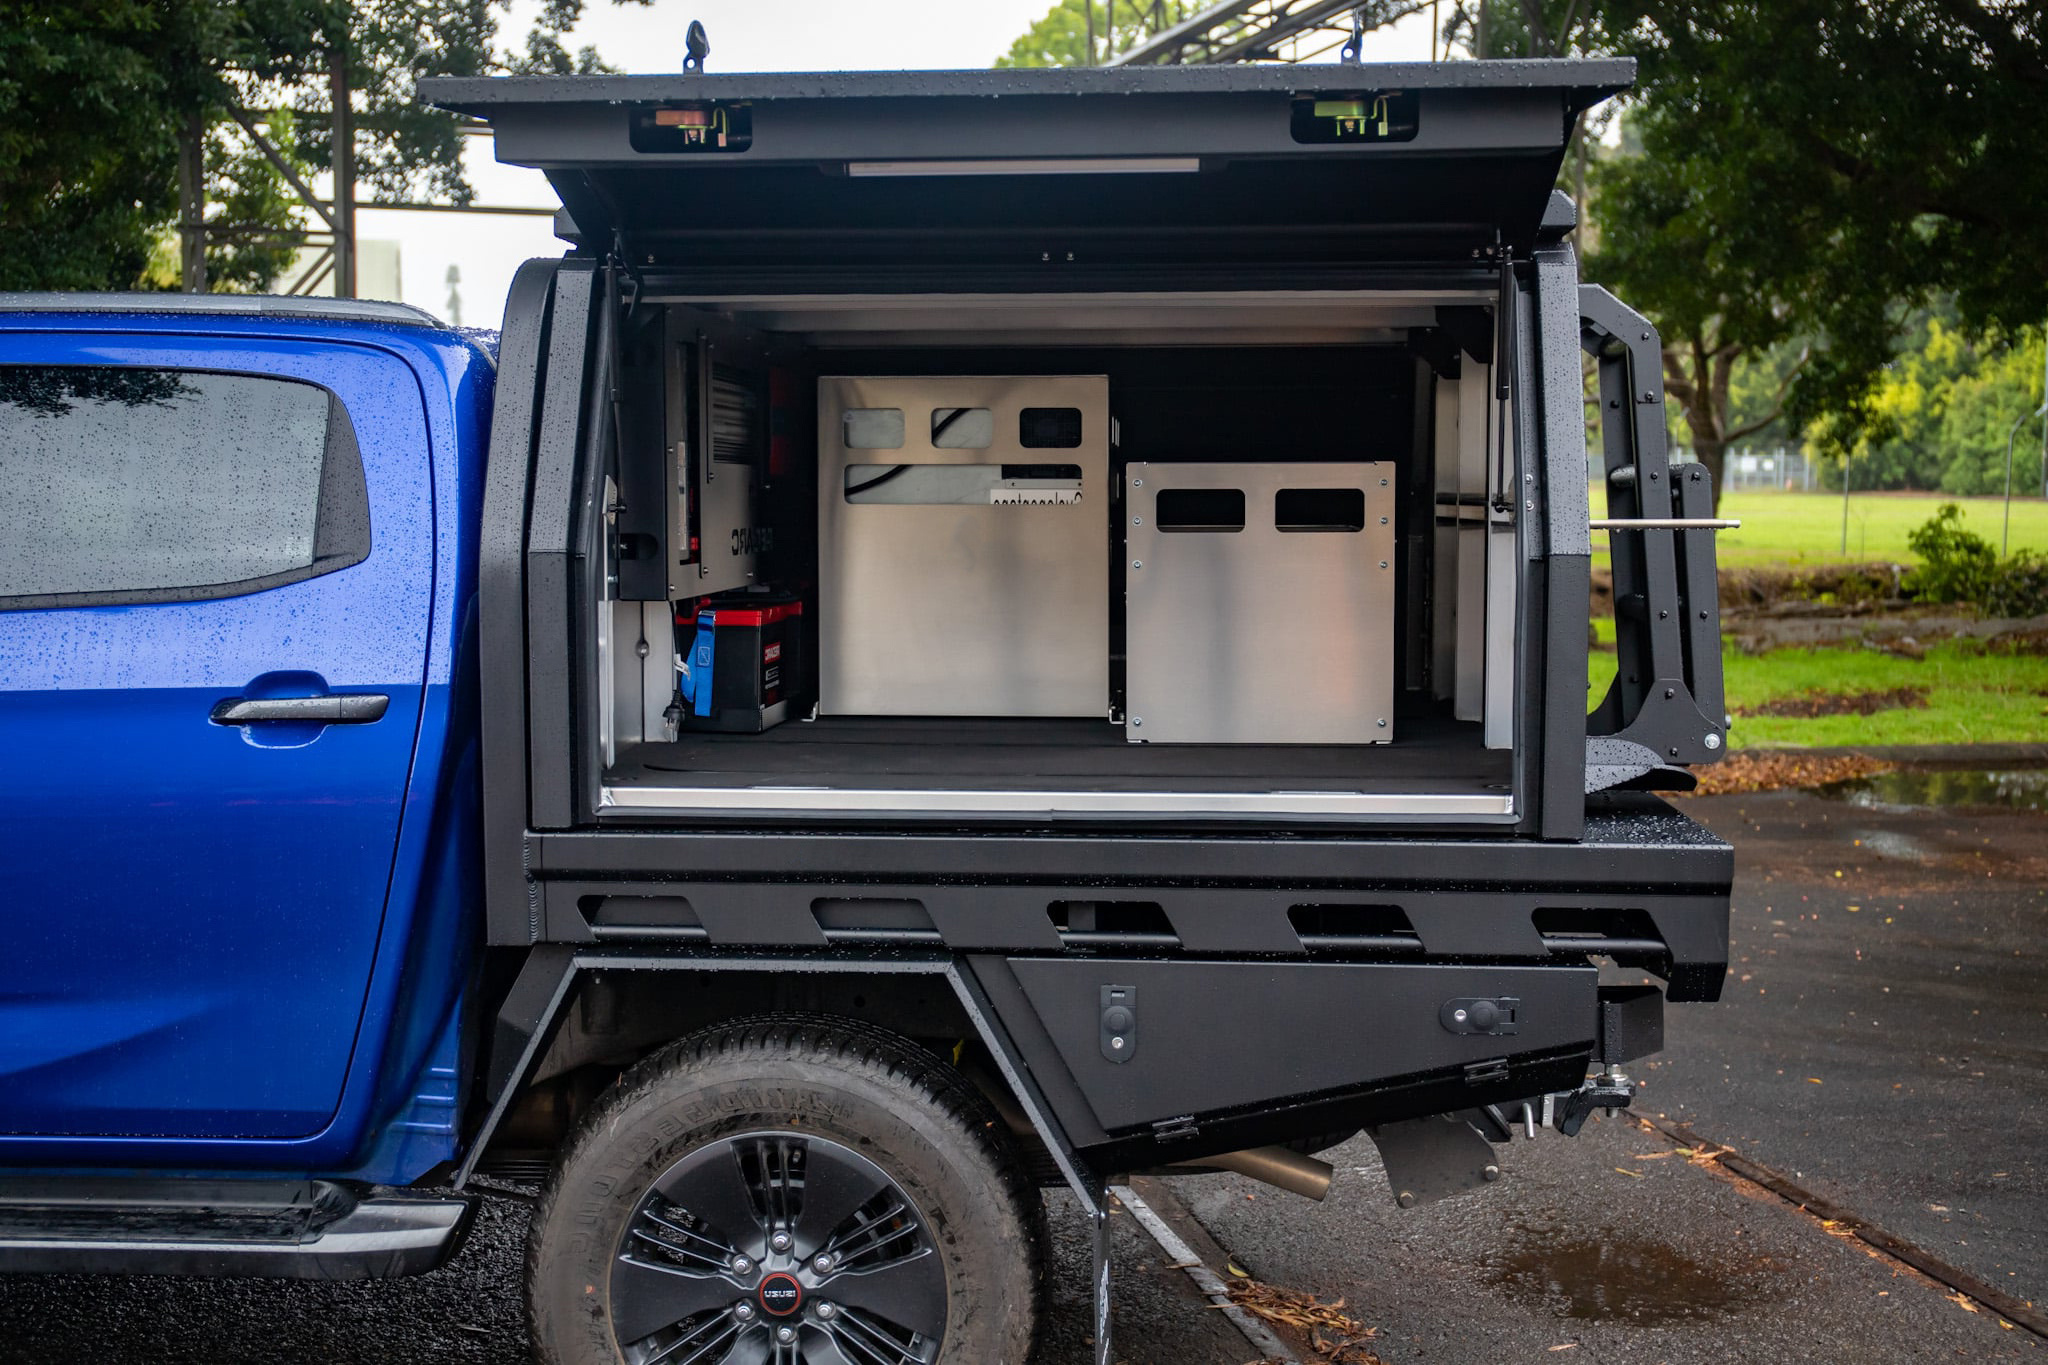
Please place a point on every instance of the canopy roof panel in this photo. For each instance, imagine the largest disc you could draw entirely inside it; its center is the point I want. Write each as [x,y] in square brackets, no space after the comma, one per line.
[1184,164]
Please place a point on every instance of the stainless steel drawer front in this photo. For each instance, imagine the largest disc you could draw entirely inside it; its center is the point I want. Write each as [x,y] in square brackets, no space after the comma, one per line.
[982,590]
[1256,633]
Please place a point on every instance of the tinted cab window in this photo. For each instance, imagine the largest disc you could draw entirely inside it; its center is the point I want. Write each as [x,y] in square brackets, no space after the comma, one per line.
[134,484]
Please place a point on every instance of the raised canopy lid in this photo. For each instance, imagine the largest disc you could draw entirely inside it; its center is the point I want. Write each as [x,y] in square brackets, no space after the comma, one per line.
[1125,165]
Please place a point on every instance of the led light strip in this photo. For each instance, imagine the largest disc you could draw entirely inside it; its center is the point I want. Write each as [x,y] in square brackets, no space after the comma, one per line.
[1107,165]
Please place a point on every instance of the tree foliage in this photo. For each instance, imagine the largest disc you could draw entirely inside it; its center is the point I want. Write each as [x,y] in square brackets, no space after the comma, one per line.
[1957,565]
[1821,167]
[1668,248]
[94,97]
[1943,412]
[90,99]
[1061,37]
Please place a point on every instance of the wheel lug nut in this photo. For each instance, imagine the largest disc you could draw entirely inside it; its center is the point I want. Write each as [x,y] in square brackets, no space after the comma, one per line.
[828,1311]
[780,1241]
[785,1335]
[743,1311]
[823,1264]
[741,1265]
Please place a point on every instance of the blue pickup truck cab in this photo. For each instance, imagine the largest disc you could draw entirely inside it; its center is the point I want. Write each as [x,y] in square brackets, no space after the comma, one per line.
[241,581]
[974,632]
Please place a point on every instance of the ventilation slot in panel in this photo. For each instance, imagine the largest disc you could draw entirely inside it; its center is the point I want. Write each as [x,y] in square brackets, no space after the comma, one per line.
[1199,509]
[1330,928]
[1590,929]
[736,425]
[964,485]
[1319,509]
[874,919]
[1112,924]
[871,428]
[963,428]
[668,917]
[1049,428]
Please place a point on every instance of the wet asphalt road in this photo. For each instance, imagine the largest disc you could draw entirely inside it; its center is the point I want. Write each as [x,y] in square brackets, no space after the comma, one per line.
[1890,1057]
[1606,1247]
[469,1312]
[1884,1033]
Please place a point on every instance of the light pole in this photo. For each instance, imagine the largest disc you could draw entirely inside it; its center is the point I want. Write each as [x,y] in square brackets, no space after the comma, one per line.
[1847,457]
[2005,536]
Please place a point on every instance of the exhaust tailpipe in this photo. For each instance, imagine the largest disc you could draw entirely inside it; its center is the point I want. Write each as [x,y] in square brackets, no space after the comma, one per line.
[1282,1167]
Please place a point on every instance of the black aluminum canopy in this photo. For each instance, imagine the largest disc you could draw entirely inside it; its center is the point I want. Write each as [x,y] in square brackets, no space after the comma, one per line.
[1186,167]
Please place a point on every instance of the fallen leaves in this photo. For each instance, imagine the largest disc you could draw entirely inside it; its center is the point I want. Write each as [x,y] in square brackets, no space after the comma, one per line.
[1757,770]
[1332,1334]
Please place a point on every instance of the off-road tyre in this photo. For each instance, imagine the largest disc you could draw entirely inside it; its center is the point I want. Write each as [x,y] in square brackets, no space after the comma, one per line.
[839,1083]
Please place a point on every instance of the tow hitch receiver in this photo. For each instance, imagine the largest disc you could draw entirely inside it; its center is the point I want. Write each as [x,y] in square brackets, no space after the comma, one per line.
[1608,1090]
[1432,1158]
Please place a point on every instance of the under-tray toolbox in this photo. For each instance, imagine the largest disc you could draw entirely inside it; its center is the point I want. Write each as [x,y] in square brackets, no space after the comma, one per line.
[1259,601]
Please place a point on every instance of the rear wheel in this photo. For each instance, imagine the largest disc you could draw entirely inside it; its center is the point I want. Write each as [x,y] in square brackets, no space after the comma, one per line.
[789,1190]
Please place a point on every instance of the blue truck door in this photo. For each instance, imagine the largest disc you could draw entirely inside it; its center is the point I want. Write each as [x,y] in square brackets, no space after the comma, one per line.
[215,584]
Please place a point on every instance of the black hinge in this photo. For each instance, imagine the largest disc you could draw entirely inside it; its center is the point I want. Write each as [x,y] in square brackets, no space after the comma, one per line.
[1173,1129]
[1480,1073]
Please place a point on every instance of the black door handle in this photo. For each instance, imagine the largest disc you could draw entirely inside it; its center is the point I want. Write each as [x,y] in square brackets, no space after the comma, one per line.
[354,708]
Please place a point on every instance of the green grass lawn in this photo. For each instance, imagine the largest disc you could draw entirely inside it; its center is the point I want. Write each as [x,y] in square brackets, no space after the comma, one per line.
[1806,528]
[1974,697]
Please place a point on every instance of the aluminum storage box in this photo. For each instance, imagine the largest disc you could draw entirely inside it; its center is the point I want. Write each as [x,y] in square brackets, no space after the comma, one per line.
[1259,603]
[963,545]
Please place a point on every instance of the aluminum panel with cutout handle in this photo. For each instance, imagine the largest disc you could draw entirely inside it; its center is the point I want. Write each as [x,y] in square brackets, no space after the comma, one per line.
[1260,603]
[963,527]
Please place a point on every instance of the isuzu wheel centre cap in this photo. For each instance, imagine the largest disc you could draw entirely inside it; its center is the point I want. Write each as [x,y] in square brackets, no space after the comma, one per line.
[780,1294]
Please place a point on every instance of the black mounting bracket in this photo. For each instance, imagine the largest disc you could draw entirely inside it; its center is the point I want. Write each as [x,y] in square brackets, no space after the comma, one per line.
[1666,703]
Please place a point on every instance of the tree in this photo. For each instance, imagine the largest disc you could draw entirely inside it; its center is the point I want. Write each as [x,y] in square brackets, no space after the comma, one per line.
[1946,407]
[90,98]
[95,98]
[1939,413]
[1668,248]
[1063,36]
[1820,168]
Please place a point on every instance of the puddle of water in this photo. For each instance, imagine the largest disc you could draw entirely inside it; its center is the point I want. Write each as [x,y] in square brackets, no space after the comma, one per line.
[1606,1277]
[1903,788]
[1900,847]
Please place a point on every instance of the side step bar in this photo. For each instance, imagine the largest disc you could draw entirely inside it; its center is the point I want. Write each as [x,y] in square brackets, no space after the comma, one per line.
[305,1230]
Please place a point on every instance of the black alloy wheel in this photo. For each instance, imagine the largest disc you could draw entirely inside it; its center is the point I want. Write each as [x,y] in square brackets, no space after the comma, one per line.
[787,1190]
[776,1248]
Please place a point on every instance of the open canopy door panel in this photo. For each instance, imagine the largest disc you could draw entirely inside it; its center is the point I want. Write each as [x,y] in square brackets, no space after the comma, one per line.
[1058,168]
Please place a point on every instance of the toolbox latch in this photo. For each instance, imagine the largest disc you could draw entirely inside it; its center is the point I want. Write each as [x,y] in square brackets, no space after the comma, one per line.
[1119,1022]
[1496,1016]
